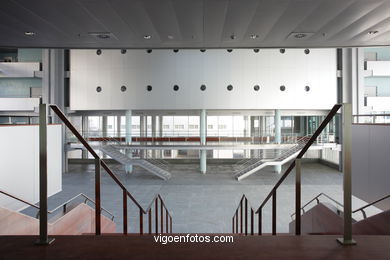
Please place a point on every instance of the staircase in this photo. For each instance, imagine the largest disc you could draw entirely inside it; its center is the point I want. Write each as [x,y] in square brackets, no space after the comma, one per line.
[154,166]
[253,165]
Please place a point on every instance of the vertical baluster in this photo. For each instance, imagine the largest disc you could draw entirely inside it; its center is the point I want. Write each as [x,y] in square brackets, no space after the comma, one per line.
[170,226]
[233,225]
[156,215]
[150,220]
[124,212]
[97,198]
[252,222]
[260,215]
[166,221]
[237,221]
[274,213]
[246,216]
[241,216]
[298,197]
[162,215]
[141,221]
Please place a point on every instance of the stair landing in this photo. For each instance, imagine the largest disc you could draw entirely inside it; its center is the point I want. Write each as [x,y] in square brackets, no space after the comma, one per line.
[144,247]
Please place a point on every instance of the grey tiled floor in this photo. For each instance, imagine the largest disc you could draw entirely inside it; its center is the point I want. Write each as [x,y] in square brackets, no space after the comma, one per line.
[201,203]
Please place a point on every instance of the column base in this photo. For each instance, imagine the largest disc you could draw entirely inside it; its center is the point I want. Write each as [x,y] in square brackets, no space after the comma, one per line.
[49,241]
[343,242]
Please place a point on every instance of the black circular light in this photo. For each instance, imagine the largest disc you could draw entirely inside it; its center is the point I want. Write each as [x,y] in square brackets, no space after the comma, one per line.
[307,51]
[230,87]
[203,87]
[99,89]
[123,51]
[98,52]
[149,51]
[256,50]
[175,87]
[123,88]
[282,88]
[307,88]
[282,50]
[256,87]
[149,88]
[175,50]
[229,50]
[202,50]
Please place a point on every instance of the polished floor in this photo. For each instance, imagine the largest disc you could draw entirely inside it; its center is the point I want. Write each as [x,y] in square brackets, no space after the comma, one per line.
[202,203]
[144,247]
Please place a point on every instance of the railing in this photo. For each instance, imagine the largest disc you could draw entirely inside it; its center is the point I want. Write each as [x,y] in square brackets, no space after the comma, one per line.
[316,198]
[370,204]
[241,216]
[63,205]
[296,162]
[372,118]
[125,193]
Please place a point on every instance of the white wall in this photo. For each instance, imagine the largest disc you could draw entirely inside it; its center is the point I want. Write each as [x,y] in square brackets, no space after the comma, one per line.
[242,68]
[19,163]
[370,162]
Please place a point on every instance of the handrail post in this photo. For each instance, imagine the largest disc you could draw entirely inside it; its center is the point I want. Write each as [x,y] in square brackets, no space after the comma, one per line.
[97,197]
[43,230]
[241,217]
[141,222]
[297,197]
[170,226]
[347,171]
[166,220]
[274,213]
[252,221]
[156,215]
[150,220]
[246,216]
[162,216]
[124,212]
[260,220]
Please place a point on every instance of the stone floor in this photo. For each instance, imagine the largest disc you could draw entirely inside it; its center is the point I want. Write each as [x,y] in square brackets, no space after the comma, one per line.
[202,203]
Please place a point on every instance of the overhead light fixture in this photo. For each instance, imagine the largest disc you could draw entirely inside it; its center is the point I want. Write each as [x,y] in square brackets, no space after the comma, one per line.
[233,37]
[373,32]
[170,37]
[29,33]
[147,37]
[102,35]
[254,36]
[299,35]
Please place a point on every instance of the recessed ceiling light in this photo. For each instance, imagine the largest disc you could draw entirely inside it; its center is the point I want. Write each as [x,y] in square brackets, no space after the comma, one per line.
[300,35]
[147,37]
[373,32]
[254,36]
[29,33]
[170,37]
[232,37]
[102,35]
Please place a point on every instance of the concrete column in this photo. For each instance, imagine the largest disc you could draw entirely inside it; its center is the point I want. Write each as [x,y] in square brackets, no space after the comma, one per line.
[203,135]
[128,139]
[104,126]
[84,130]
[160,131]
[143,132]
[53,90]
[278,135]
[154,134]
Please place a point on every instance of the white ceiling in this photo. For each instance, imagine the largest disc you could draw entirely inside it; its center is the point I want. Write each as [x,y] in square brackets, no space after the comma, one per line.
[194,23]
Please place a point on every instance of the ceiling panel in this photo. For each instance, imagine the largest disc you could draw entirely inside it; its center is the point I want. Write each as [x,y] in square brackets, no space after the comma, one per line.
[194,23]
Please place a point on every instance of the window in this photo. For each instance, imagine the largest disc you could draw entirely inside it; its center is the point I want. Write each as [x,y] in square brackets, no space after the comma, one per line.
[209,126]
[193,126]
[166,127]
[179,126]
[222,126]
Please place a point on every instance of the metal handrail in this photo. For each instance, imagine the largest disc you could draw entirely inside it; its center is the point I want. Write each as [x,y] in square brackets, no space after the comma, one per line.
[370,204]
[312,139]
[318,201]
[19,199]
[242,214]
[371,115]
[126,193]
[341,205]
[63,205]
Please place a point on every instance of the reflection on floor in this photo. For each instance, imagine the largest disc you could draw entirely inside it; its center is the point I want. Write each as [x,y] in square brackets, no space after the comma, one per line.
[202,203]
